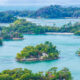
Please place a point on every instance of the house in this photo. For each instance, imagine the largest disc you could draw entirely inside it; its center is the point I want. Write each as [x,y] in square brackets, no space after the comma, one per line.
[44,55]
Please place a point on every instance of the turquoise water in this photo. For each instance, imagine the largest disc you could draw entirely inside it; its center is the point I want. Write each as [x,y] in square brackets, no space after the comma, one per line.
[48,22]
[51,22]
[66,44]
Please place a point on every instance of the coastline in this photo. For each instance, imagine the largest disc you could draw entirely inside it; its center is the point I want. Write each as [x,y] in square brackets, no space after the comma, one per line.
[34,59]
[59,33]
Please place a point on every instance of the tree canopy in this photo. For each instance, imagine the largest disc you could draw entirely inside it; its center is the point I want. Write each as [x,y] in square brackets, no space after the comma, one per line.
[1,42]
[46,51]
[7,18]
[57,11]
[25,74]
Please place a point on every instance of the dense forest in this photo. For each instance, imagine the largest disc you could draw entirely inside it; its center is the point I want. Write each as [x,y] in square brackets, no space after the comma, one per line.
[27,27]
[11,35]
[21,26]
[7,18]
[1,42]
[57,11]
[74,28]
[53,11]
[24,13]
[7,33]
[25,74]
[39,52]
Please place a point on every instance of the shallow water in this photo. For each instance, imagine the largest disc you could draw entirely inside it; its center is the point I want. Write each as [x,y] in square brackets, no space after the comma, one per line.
[47,22]
[53,22]
[66,44]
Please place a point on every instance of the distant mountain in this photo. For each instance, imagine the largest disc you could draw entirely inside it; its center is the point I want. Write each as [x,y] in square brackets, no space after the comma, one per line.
[57,11]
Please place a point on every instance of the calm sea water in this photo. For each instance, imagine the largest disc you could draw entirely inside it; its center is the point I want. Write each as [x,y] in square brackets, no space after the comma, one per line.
[66,44]
[52,22]
[48,22]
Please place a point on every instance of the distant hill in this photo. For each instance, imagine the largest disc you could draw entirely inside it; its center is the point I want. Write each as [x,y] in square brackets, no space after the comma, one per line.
[7,18]
[51,12]
[57,11]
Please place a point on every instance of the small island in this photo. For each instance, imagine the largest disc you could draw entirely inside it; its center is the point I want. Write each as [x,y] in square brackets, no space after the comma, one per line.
[18,28]
[41,52]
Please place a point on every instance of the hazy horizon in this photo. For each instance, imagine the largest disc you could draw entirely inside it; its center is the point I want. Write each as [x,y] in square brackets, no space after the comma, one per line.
[38,2]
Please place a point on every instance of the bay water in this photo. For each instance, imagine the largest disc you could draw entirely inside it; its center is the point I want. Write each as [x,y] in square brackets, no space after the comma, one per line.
[66,44]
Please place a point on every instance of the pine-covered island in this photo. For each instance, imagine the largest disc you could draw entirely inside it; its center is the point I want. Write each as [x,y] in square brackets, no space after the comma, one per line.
[41,52]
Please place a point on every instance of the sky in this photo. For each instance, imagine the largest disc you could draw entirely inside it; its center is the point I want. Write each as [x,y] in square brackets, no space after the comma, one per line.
[38,2]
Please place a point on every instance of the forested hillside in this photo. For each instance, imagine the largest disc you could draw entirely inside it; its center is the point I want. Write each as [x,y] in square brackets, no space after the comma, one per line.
[57,11]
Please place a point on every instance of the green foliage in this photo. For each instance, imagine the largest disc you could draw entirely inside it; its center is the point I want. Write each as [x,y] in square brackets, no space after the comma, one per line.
[57,11]
[32,76]
[71,28]
[78,52]
[77,33]
[27,27]
[25,74]
[24,13]
[1,42]
[9,33]
[64,74]
[37,51]
[51,11]
[17,35]
[21,26]
[5,77]
[53,70]
[6,18]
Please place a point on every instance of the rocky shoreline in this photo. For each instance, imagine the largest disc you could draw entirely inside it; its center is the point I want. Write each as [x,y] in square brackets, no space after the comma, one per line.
[34,59]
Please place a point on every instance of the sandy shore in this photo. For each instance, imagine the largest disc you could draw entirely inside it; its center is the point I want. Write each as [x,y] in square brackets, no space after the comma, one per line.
[59,33]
